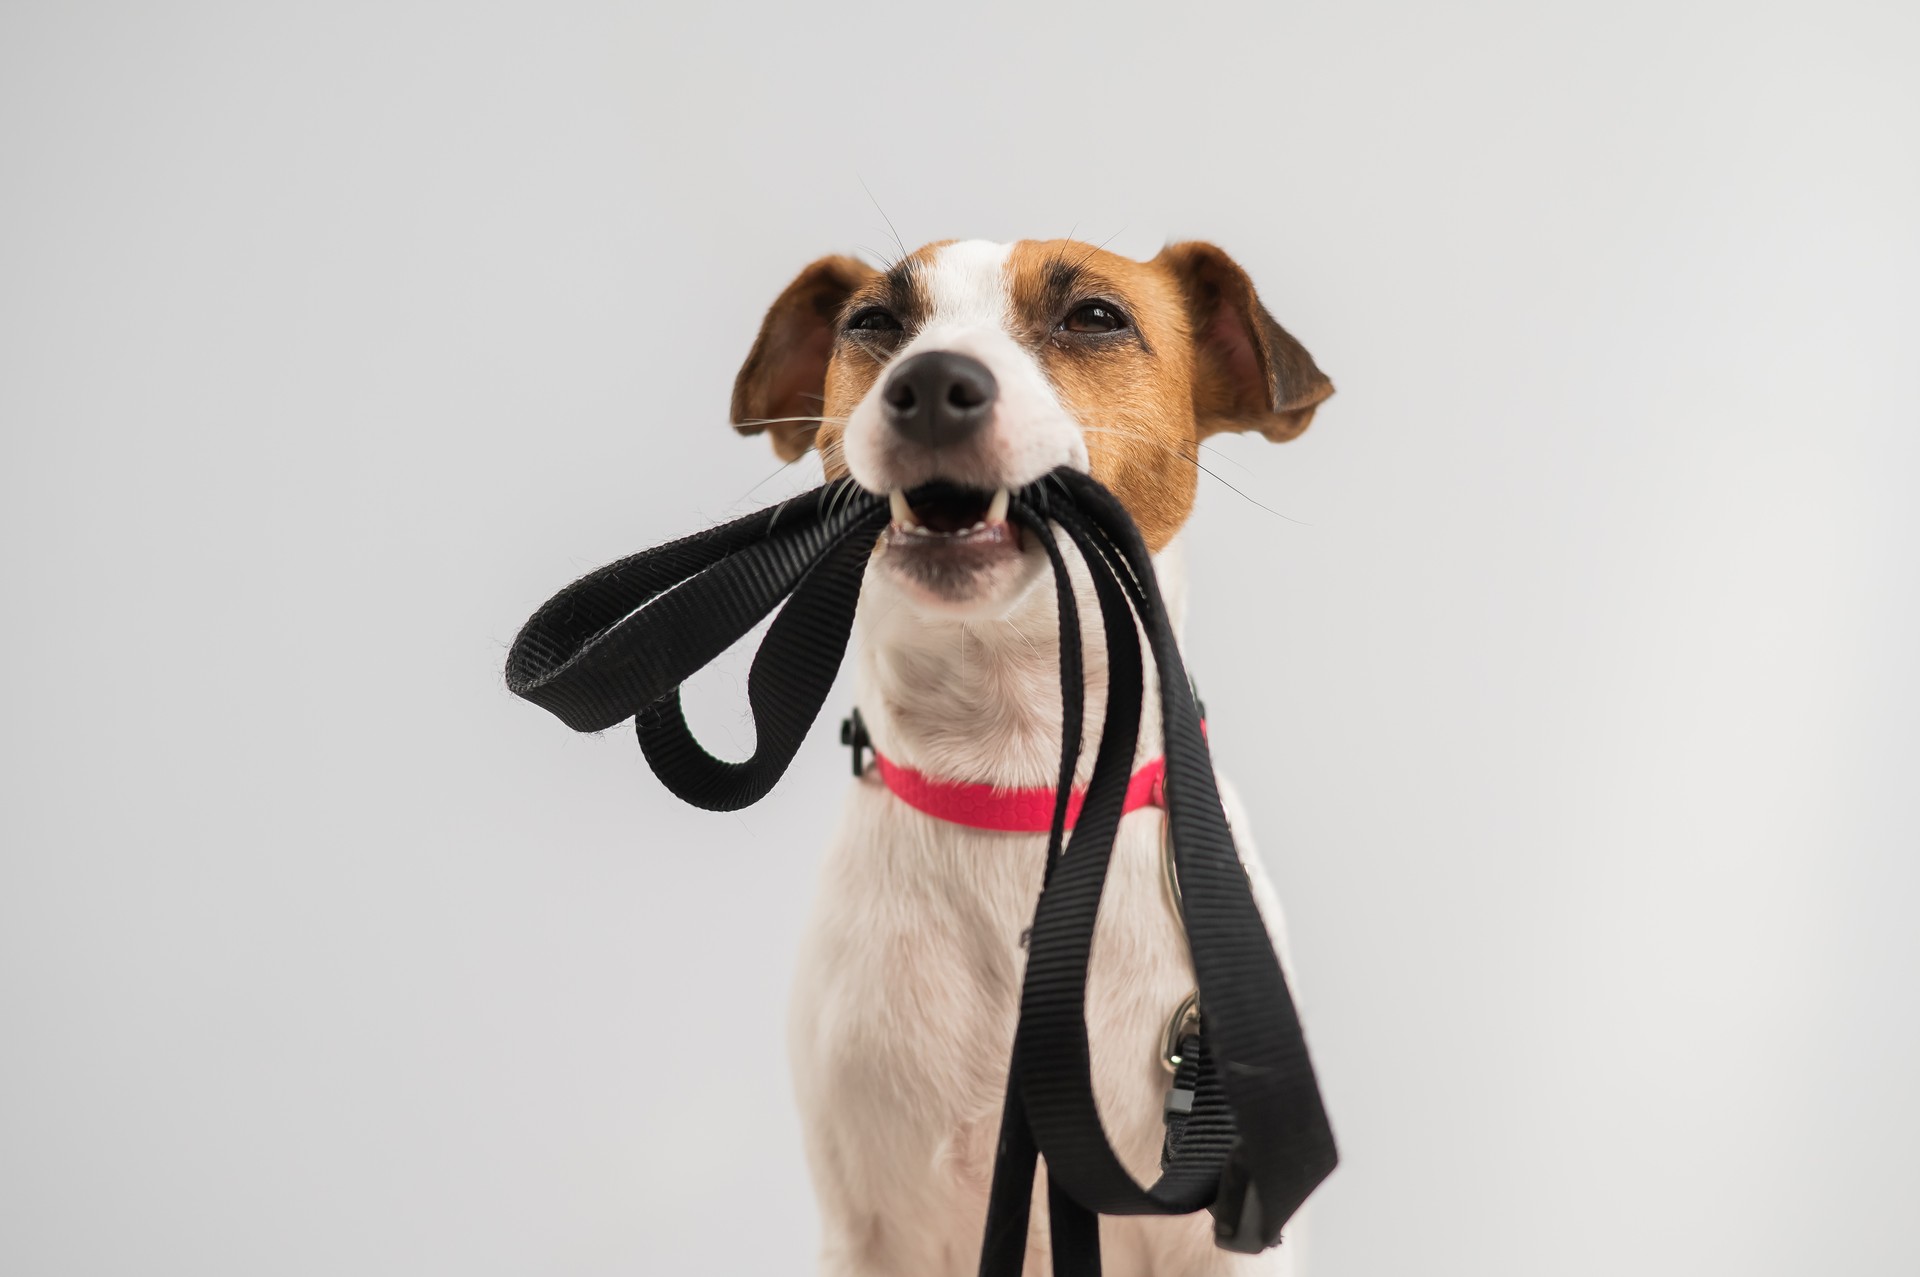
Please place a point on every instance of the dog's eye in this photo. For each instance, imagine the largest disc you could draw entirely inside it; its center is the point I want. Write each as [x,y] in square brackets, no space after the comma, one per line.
[1094,317]
[874,319]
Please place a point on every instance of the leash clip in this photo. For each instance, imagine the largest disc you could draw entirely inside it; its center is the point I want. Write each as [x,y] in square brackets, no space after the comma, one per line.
[1182,1028]
[853,734]
[1180,1052]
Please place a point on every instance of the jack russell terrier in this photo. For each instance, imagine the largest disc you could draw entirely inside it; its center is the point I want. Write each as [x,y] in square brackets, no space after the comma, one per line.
[981,367]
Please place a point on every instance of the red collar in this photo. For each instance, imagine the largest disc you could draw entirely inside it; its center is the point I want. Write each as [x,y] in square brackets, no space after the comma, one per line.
[1020,811]
[1025,811]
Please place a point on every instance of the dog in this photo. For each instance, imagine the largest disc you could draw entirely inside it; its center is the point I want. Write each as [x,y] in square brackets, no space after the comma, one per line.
[976,368]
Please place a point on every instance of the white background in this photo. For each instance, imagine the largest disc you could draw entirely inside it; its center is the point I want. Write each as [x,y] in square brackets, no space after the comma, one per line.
[1573,686]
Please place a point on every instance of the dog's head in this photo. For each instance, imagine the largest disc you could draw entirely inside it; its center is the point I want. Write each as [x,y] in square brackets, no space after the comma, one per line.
[969,368]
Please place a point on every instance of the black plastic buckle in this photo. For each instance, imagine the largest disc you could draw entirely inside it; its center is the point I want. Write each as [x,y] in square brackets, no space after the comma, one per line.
[1239,1223]
[853,734]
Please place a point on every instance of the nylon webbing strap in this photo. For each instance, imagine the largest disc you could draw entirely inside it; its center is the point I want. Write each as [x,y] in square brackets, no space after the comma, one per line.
[619,642]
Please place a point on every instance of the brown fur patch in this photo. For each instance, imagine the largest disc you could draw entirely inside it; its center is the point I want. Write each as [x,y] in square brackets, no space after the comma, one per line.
[1131,391]
[1249,372]
[778,389]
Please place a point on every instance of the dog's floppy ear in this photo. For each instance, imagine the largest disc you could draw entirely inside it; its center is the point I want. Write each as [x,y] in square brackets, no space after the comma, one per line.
[1248,373]
[785,375]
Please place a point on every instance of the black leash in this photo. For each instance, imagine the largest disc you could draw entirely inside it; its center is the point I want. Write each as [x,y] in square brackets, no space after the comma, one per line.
[1252,1139]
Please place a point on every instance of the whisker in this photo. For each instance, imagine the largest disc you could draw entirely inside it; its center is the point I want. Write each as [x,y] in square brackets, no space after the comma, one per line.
[774,421]
[778,471]
[774,519]
[1139,437]
[830,499]
[1212,451]
[1230,488]
[833,454]
[883,214]
[1097,247]
[849,493]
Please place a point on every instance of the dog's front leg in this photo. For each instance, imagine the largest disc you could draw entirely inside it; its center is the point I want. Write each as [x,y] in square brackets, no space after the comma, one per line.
[902,1020]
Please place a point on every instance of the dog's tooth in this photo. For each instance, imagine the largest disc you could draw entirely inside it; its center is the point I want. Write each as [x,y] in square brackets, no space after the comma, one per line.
[997,509]
[902,512]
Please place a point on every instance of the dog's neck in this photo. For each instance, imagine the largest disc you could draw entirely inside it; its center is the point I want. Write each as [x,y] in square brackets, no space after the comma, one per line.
[980,700]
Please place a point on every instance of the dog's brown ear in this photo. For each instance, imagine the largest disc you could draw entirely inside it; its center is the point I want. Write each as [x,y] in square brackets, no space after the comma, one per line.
[1248,373]
[785,375]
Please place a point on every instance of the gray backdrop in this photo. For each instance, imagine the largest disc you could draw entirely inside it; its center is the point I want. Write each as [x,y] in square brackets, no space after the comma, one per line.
[1571,685]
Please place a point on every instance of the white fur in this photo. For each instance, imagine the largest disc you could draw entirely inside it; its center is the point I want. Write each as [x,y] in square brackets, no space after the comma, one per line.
[908,982]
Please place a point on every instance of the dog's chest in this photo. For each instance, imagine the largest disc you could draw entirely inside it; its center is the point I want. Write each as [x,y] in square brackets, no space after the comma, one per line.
[909,990]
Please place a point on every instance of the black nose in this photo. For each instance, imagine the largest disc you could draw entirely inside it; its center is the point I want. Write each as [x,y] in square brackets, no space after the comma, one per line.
[939,397]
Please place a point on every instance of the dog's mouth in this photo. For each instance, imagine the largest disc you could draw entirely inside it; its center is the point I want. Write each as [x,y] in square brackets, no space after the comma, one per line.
[944,537]
[949,513]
